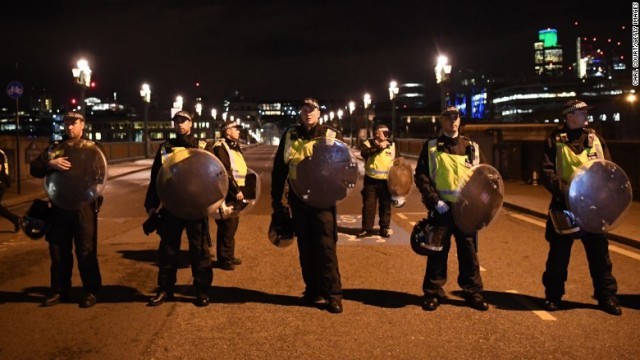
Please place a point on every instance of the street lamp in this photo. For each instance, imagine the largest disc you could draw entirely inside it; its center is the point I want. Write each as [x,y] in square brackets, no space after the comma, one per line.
[340,113]
[352,107]
[82,74]
[393,92]
[367,101]
[145,93]
[442,69]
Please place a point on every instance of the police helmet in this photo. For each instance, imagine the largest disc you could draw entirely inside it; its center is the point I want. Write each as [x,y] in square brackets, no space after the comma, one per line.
[425,237]
[281,232]
[35,223]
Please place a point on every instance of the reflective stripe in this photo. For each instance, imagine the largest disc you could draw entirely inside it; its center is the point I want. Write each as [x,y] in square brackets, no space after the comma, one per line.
[378,165]
[236,162]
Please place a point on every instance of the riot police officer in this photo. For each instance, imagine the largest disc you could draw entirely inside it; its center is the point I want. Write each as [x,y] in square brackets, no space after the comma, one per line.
[378,154]
[315,228]
[171,226]
[70,228]
[442,163]
[565,149]
[228,151]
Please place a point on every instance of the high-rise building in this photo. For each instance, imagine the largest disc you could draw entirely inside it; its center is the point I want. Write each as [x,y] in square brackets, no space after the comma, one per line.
[548,54]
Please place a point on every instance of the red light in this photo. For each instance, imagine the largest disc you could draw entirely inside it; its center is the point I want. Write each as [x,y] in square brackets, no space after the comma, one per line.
[197,84]
[73,101]
[93,84]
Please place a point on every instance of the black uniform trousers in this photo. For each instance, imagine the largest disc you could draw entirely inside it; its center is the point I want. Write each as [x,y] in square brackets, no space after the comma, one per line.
[375,192]
[71,228]
[317,234]
[597,248]
[469,278]
[4,212]
[170,231]
[225,238]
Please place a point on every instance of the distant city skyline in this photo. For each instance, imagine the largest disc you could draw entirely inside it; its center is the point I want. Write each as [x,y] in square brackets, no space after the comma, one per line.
[280,49]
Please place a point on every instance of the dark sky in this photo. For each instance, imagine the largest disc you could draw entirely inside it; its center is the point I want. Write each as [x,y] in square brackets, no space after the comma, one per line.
[279,49]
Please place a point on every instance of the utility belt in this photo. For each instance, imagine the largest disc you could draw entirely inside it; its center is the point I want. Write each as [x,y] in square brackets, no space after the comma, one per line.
[564,222]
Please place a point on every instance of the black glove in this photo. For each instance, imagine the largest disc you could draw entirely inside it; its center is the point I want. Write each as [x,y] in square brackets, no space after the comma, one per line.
[151,224]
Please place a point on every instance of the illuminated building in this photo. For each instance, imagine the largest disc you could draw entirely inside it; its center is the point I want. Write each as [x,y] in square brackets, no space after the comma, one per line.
[548,54]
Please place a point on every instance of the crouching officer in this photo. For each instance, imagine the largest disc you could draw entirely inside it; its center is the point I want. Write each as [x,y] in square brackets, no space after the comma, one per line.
[315,228]
[566,148]
[171,226]
[378,154]
[70,227]
[442,165]
[228,151]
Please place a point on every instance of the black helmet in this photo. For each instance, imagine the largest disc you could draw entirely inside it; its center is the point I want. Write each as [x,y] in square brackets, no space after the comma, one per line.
[35,223]
[281,233]
[426,237]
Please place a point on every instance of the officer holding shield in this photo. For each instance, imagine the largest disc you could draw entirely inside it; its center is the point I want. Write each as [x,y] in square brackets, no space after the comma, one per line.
[69,228]
[315,227]
[228,151]
[171,226]
[566,148]
[442,165]
[378,154]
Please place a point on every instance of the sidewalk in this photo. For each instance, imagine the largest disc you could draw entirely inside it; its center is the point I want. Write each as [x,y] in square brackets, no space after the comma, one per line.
[34,188]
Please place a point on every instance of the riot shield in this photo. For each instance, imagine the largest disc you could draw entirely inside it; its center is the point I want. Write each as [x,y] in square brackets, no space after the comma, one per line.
[326,175]
[84,181]
[192,183]
[480,198]
[599,195]
[399,181]
[251,194]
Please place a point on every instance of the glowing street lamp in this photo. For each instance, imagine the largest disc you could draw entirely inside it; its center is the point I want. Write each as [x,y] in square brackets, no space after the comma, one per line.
[367,101]
[82,75]
[393,92]
[145,93]
[352,107]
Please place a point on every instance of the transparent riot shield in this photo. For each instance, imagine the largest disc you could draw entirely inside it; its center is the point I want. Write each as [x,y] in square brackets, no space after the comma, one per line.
[84,181]
[399,181]
[480,199]
[192,183]
[326,175]
[599,196]
[251,194]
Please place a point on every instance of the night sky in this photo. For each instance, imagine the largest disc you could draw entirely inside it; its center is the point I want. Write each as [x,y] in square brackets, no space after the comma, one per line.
[280,49]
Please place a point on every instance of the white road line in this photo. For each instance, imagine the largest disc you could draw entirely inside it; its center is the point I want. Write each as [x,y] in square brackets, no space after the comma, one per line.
[540,313]
[482,269]
[622,251]
[412,223]
[402,216]
[529,220]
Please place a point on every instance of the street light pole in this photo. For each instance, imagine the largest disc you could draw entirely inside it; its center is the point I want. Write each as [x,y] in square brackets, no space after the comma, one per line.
[82,74]
[367,102]
[352,107]
[393,91]
[443,70]
[145,92]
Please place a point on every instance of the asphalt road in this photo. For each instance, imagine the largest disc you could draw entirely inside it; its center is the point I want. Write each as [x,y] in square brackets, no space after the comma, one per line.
[255,312]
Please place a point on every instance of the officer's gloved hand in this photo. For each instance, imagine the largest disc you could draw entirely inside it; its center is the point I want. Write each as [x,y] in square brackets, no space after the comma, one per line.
[442,207]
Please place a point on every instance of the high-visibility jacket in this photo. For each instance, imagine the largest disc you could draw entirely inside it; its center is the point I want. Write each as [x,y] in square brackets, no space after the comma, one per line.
[377,165]
[567,161]
[449,171]
[297,149]
[236,160]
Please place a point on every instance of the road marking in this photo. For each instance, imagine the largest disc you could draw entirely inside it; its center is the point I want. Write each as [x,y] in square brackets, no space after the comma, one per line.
[412,223]
[482,269]
[402,216]
[540,313]
[529,220]
[622,251]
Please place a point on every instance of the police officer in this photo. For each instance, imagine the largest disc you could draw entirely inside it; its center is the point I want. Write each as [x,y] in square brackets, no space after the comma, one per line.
[70,228]
[442,163]
[566,148]
[171,226]
[315,228]
[228,151]
[5,183]
[378,154]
